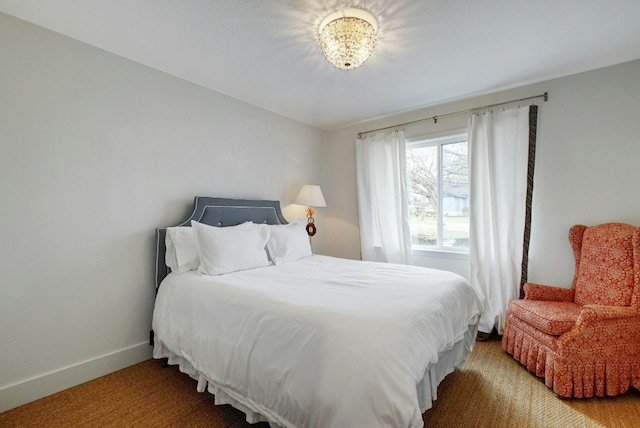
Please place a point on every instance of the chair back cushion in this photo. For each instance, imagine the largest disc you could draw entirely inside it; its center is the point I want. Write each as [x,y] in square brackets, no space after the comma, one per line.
[606,269]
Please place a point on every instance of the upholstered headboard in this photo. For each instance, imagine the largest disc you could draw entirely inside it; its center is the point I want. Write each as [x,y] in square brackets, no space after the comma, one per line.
[219,212]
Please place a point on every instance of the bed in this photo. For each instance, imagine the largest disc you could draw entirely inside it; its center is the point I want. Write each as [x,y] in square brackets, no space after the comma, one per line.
[303,340]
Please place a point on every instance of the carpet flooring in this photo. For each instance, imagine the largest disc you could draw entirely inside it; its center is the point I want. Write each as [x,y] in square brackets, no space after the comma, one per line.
[489,390]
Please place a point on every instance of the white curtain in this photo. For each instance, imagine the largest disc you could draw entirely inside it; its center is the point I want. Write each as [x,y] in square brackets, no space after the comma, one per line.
[498,159]
[382,198]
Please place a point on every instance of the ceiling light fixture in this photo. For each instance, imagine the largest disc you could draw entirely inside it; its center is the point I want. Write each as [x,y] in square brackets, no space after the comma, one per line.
[347,37]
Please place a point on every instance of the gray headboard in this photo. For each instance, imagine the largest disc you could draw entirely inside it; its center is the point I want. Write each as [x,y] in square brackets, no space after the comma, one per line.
[220,212]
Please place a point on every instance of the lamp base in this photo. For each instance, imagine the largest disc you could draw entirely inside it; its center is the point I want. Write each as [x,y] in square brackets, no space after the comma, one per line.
[311,227]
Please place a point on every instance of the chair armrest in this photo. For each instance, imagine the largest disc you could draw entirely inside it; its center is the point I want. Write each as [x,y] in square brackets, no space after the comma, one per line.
[590,313]
[545,292]
[616,325]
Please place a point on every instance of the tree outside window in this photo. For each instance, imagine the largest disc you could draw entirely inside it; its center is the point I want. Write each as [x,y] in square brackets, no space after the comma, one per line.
[438,193]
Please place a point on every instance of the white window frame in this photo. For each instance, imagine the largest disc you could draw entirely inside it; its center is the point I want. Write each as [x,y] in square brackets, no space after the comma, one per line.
[453,136]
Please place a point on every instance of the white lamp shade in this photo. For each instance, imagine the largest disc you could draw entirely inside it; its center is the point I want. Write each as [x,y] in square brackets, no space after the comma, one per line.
[311,196]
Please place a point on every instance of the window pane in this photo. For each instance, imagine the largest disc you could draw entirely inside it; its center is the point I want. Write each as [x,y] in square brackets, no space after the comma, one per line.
[422,183]
[438,191]
[455,196]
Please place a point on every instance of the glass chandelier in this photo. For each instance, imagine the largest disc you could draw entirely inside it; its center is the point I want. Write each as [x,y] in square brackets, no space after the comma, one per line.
[347,37]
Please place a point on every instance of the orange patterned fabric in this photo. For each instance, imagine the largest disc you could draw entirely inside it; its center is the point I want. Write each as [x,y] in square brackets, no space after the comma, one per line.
[545,292]
[607,258]
[551,317]
[584,340]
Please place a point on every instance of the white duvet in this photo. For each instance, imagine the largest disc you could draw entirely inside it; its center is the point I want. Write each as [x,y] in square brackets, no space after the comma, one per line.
[321,342]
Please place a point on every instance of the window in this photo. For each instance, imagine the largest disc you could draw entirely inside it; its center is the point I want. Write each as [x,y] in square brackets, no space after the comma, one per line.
[438,193]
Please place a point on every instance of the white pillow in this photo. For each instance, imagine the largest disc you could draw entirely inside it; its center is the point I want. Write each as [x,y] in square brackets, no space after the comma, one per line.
[289,242]
[230,249]
[181,255]
[181,252]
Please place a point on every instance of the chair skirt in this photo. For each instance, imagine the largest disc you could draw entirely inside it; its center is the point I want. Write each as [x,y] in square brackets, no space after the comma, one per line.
[567,376]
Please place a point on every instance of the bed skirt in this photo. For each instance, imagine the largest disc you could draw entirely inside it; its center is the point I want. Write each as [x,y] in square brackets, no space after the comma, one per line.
[427,389]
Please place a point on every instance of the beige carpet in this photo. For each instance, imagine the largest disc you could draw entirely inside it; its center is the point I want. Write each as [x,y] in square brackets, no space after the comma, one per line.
[489,390]
[493,390]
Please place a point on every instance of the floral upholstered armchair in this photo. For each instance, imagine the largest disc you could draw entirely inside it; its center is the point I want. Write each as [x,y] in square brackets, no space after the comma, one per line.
[584,340]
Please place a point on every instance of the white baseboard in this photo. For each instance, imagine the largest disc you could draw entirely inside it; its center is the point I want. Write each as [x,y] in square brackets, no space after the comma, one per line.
[29,390]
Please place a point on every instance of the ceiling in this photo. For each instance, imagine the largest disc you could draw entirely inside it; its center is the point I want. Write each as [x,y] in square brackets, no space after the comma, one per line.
[266,52]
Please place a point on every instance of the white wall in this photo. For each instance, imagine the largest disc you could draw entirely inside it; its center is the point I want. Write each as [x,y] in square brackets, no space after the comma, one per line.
[588,150]
[96,152]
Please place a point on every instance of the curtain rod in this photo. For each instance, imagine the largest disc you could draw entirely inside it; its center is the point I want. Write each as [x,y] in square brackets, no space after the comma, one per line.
[545,96]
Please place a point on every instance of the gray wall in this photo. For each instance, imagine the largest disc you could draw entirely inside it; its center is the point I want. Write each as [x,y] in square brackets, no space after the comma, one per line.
[586,165]
[96,152]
